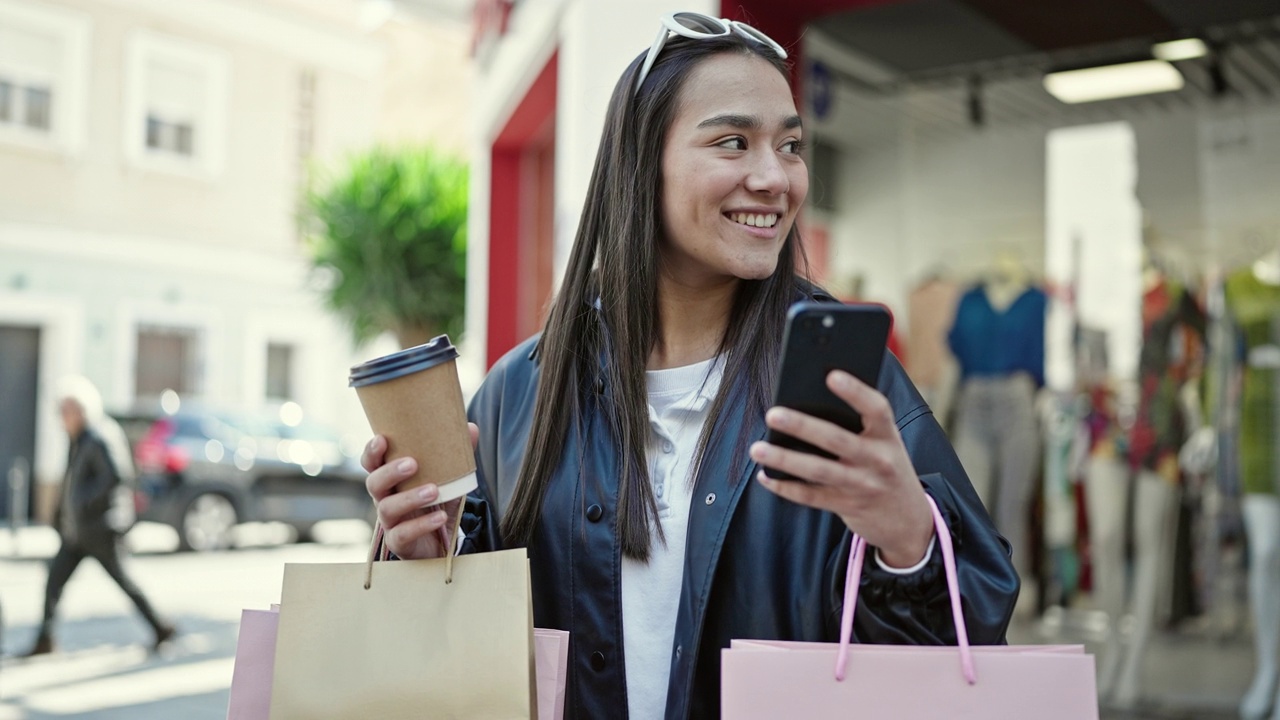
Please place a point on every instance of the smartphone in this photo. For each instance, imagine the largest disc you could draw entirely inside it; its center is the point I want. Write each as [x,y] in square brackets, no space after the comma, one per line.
[819,338]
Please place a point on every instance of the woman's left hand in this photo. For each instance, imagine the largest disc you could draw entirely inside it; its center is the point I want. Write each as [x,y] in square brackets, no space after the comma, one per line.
[871,484]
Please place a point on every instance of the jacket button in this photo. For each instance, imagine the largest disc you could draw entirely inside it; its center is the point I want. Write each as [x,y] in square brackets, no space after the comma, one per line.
[597,661]
[679,651]
[594,513]
[711,498]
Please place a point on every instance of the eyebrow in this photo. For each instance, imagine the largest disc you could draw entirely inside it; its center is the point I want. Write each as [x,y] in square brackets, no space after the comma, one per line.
[746,122]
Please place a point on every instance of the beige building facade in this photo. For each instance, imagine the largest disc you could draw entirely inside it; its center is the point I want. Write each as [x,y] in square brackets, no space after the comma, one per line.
[151,159]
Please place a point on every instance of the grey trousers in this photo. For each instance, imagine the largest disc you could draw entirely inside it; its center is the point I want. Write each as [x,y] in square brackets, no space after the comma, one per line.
[997,440]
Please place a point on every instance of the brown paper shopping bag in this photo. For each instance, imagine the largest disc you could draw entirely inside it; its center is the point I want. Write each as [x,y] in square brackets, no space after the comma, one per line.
[411,645]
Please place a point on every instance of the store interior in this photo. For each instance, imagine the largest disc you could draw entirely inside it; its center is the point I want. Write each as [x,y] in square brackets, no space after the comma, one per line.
[1085,272]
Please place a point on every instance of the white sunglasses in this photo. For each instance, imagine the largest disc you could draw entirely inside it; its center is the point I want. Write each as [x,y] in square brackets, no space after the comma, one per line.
[697,26]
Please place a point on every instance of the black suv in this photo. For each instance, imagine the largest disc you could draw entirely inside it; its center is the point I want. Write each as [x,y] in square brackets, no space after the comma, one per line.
[202,471]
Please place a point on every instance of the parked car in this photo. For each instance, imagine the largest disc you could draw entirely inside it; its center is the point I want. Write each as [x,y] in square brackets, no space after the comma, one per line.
[202,471]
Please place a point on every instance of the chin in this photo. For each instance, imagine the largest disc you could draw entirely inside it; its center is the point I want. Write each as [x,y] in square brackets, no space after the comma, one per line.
[756,270]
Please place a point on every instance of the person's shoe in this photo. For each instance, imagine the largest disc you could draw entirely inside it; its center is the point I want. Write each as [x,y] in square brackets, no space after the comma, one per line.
[43,646]
[164,634]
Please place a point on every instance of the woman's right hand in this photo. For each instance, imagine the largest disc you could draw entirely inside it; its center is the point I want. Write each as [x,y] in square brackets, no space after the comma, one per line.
[415,526]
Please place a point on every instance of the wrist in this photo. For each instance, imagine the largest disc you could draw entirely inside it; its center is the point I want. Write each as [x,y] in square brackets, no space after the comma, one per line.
[915,542]
[906,557]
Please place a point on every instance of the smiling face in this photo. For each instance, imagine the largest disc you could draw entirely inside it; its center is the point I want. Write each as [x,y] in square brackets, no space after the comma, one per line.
[733,178]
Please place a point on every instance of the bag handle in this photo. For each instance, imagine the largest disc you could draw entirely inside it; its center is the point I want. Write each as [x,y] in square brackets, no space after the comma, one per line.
[853,579]
[378,549]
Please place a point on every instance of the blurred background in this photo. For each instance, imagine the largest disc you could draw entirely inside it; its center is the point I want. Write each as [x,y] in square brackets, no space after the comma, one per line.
[213,208]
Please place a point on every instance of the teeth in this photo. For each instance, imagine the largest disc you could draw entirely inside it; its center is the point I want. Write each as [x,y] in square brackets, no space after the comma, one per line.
[755,220]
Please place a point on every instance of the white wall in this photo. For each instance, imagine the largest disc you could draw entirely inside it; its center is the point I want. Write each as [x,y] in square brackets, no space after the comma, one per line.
[919,195]
[914,202]
[1240,156]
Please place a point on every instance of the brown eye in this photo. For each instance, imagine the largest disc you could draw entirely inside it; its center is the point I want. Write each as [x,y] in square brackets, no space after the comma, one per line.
[733,143]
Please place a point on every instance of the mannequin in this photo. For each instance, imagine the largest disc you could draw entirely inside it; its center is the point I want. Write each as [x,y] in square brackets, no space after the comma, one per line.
[1253,299]
[1172,349]
[998,340]
[930,309]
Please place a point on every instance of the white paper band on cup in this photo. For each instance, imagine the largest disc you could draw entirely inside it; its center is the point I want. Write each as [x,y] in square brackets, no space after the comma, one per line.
[457,488]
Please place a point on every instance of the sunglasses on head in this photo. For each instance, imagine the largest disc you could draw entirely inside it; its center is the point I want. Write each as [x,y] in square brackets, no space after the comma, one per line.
[697,26]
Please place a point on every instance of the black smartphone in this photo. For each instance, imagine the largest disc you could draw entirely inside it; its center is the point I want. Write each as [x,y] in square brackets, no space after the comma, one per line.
[819,338]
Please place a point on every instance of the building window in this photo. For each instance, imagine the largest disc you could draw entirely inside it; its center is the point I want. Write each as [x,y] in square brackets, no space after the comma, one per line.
[37,113]
[172,137]
[176,105]
[167,359]
[43,71]
[279,371]
[26,106]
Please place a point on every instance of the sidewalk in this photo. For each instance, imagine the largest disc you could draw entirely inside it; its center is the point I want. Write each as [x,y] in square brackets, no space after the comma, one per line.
[1188,675]
[1192,674]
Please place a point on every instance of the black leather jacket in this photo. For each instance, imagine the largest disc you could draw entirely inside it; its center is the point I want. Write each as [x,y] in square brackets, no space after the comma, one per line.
[756,566]
[86,493]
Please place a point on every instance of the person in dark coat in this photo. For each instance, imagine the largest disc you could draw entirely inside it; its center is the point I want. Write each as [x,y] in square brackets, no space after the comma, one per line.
[96,457]
[622,446]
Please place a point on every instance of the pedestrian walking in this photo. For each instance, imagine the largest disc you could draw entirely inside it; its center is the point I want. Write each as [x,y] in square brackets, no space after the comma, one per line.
[97,462]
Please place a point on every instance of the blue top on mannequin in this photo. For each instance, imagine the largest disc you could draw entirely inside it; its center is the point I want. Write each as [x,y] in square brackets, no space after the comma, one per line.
[992,343]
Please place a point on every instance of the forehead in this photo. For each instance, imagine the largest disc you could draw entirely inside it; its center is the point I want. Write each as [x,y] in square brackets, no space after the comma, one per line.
[735,83]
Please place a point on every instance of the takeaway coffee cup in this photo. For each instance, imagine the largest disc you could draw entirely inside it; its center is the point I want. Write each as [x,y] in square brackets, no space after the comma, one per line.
[413,398]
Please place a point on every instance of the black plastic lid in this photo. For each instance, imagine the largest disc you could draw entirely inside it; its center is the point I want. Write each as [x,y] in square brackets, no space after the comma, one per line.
[405,362]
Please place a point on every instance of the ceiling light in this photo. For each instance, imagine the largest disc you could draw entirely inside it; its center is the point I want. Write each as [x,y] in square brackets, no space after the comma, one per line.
[1113,81]
[1187,49]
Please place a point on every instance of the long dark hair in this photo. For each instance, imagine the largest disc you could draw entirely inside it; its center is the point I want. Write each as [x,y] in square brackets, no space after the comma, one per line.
[607,306]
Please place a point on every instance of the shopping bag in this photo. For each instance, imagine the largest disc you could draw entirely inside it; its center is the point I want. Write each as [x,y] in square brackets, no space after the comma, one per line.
[447,638]
[772,679]
[551,649]
[255,658]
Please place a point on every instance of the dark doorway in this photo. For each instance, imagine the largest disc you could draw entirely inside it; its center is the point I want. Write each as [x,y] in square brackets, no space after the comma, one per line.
[19,378]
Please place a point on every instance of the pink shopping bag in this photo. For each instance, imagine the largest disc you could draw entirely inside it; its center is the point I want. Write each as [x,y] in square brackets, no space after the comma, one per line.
[551,653]
[772,679]
[255,660]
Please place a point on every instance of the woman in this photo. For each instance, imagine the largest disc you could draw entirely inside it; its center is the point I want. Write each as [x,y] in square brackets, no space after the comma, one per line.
[617,447]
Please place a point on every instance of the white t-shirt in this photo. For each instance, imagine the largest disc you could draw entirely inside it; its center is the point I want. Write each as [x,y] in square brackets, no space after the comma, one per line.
[679,399]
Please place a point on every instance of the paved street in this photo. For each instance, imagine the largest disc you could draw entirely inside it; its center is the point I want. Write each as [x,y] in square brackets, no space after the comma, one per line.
[102,669]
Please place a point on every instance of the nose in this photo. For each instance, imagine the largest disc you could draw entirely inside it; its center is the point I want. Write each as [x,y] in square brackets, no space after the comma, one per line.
[767,174]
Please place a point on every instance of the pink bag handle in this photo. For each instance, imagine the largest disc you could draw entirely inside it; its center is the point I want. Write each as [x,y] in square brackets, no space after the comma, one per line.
[853,579]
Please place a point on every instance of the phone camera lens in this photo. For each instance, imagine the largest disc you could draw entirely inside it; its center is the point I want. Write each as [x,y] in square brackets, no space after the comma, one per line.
[828,321]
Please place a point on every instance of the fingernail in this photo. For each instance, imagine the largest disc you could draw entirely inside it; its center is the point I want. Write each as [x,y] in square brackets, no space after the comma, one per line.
[759,451]
[842,379]
[428,492]
[405,465]
[780,416]
[764,479]
[439,516]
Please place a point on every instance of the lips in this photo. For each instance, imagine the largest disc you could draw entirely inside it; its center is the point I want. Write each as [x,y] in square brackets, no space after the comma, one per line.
[760,220]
